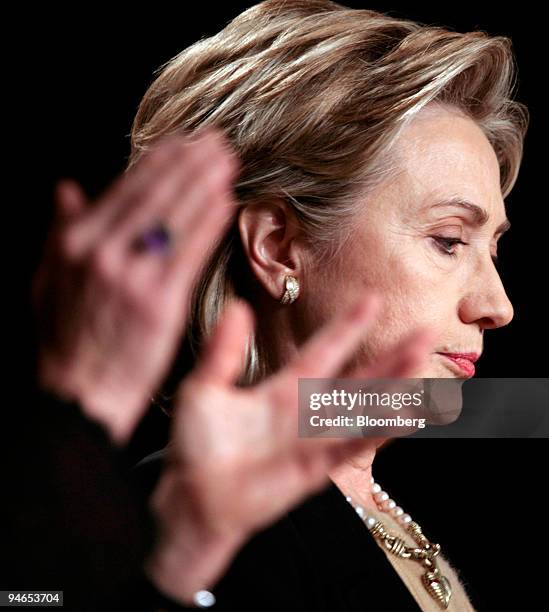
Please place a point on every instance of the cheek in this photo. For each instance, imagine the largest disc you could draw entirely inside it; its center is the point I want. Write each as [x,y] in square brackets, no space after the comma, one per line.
[413,296]
[415,292]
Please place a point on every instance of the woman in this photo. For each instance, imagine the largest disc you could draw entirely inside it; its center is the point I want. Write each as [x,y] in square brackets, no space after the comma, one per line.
[375,153]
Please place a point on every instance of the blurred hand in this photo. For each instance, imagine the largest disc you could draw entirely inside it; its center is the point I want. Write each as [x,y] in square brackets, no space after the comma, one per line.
[236,462]
[111,315]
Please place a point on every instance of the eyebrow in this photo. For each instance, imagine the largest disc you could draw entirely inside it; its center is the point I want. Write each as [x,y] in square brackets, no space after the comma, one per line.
[480,215]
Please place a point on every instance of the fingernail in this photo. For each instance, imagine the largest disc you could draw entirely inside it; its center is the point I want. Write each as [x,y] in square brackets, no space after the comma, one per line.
[208,133]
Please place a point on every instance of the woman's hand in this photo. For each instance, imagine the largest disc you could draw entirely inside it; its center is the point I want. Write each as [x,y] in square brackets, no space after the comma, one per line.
[111,315]
[236,461]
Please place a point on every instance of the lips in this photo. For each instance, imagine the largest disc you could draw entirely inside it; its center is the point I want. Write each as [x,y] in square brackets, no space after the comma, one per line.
[464,361]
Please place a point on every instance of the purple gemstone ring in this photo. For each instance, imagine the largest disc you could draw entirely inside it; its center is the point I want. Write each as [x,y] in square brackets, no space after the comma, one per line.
[155,240]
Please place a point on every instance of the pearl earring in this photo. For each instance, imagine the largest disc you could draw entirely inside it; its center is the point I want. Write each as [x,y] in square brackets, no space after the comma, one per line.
[292,290]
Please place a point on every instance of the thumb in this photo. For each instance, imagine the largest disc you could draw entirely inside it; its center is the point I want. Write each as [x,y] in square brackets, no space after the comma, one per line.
[70,200]
[223,355]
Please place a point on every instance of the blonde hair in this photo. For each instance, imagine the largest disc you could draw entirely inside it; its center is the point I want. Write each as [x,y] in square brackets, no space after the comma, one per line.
[312,95]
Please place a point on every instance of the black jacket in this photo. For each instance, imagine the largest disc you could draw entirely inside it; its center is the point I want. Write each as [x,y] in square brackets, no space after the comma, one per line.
[70,519]
[319,557]
[74,522]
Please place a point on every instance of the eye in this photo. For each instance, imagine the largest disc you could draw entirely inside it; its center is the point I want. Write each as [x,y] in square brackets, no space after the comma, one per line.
[445,244]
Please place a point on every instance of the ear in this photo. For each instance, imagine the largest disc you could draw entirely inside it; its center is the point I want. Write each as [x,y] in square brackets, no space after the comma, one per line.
[270,237]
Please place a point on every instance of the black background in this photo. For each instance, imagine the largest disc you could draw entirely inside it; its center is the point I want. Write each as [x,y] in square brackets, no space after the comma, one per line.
[74,79]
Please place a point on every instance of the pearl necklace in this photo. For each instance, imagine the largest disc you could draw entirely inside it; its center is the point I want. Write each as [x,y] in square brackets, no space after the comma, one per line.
[435,583]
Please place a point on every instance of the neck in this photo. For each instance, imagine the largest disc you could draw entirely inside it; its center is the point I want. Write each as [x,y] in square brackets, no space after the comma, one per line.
[353,476]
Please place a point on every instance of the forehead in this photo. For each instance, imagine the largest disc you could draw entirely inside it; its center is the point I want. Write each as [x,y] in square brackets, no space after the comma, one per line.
[444,154]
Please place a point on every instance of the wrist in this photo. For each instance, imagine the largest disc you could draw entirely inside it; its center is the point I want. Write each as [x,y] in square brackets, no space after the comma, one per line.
[117,409]
[192,562]
[191,553]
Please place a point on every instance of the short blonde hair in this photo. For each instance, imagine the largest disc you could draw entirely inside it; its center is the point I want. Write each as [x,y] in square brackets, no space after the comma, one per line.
[312,95]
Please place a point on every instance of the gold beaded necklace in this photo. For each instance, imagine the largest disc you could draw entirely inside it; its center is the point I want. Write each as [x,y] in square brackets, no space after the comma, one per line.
[437,585]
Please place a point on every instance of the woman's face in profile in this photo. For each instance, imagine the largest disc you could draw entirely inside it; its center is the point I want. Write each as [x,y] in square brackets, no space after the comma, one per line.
[431,260]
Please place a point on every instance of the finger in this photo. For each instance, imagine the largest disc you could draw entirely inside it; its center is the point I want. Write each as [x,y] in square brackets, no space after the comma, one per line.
[224,352]
[94,225]
[207,210]
[127,190]
[182,185]
[166,150]
[328,349]
[200,234]
[70,200]
[196,194]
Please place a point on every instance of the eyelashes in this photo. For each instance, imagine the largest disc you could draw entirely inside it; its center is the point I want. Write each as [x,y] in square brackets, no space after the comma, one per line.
[445,244]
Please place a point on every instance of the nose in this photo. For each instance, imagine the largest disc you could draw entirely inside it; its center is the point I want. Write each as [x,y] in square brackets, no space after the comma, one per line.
[486,303]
